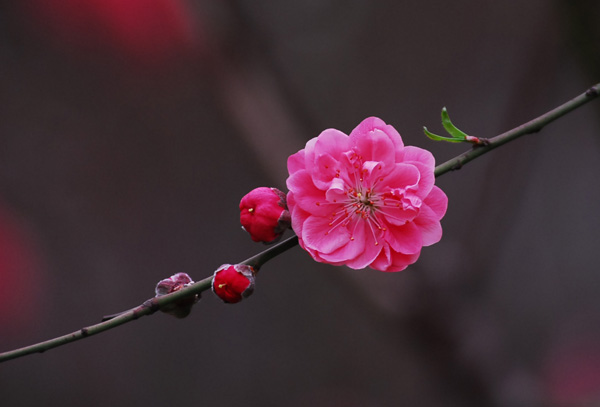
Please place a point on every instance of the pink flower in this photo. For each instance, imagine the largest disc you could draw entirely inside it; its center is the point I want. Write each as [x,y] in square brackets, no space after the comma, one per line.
[233,283]
[364,199]
[264,214]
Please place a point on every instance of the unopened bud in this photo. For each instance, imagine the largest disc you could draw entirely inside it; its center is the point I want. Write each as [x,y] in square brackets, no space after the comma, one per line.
[232,283]
[264,214]
[176,282]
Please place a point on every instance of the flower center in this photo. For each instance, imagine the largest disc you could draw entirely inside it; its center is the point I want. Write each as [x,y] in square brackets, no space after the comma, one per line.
[370,201]
[363,203]
[360,205]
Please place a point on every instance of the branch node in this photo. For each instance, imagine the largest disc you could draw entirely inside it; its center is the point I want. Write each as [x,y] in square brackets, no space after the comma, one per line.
[457,166]
[592,92]
[152,304]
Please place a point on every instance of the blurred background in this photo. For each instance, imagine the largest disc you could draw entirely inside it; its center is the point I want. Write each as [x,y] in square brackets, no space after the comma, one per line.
[130,130]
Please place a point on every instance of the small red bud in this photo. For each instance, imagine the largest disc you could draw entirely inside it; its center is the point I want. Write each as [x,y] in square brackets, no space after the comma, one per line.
[233,283]
[176,282]
[264,214]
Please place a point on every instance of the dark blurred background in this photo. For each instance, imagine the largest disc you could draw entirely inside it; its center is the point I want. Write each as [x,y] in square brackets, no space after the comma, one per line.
[129,131]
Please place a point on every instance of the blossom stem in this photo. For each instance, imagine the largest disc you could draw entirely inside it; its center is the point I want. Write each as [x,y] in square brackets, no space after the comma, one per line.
[258,260]
[149,307]
[154,304]
[532,126]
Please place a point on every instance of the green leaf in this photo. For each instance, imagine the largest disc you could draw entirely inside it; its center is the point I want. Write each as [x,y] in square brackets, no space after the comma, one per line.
[440,138]
[451,128]
[456,135]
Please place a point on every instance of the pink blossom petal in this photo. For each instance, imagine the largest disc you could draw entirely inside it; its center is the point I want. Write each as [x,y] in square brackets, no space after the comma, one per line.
[361,250]
[336,191]
[364,259]
[325,170]
[411,154]
[369,166]
[319,236]
[309,153]
[400,207]
[373,123]
[374,171]
[318,257]
[297,214]
[295,162]
[400,261]
[391,261]
[397,214]
[383,260]
[306,195]
[429,224]
[374,146]
[332,142]
[426,180]
[405,239]
[403,176]
[437,201]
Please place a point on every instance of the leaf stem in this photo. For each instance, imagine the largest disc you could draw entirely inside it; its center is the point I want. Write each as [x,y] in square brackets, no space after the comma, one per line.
[532,126]
[152,305]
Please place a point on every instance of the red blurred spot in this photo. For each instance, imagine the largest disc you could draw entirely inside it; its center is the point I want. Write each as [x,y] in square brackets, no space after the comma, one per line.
[19,276]
[572,371]
[146,29]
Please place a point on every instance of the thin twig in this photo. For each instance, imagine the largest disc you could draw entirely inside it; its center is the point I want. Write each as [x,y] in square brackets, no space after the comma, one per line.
[532,126]
[149,307]
[154,304]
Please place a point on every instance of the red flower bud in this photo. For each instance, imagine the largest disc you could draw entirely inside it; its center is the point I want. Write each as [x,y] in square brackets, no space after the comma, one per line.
[264,214]
[233,283]
[176,282]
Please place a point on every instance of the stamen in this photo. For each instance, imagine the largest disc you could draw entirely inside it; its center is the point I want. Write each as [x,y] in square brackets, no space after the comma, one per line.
[338,220]
[370,221]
